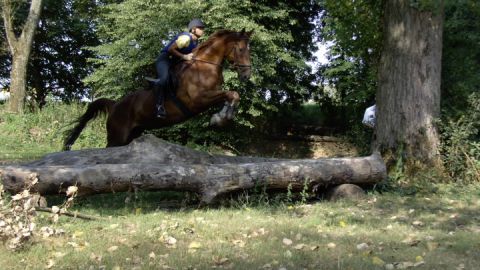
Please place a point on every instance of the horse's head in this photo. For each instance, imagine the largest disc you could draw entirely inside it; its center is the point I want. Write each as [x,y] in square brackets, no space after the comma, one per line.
[239,55]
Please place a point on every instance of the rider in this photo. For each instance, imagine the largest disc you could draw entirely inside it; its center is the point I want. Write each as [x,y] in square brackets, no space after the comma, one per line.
[178,49]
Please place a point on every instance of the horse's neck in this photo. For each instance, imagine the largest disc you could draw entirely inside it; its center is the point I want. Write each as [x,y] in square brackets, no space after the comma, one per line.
[215,53]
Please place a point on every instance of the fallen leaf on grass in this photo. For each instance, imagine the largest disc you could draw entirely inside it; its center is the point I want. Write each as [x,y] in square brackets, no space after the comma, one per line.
[112,248]
[170,241]
[59,254]
[411,241]
[239,243]
[331,245]
[299,246]
[95,257]
[194,245]
[418,223]
[362,246]
[50,264]
[432,246]
[377,261]
[220,261]
[287,241]
[152,255]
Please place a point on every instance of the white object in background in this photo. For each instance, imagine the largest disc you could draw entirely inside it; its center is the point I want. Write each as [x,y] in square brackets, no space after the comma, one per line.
[369,116]
[4,95]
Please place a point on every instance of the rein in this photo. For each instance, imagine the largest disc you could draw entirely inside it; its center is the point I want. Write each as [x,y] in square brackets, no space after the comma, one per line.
[235,62]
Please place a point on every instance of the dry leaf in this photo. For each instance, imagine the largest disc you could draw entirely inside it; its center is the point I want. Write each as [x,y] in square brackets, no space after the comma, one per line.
[418,223]
[220,261]
[362,246]
[72,190]
[170,241]
[50,264]
[152,255]
[287,241]
[299,246]
[239,243]
[194,245]
[377,261]
[95,257]
[112,248]
[331,245]
[432,246]
[55,209]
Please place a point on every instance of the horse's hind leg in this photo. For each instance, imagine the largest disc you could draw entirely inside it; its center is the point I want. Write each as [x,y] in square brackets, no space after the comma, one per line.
[134,133]
[117,135]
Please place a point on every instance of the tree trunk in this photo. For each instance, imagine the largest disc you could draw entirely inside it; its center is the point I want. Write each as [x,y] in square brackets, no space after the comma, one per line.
[20,48]
[152,164]
[408,96]
[18,77]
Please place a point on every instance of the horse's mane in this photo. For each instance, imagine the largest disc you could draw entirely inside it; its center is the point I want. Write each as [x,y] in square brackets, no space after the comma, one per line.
[216,35]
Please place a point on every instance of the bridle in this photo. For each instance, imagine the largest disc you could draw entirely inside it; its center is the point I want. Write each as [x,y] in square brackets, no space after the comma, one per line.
[234,49]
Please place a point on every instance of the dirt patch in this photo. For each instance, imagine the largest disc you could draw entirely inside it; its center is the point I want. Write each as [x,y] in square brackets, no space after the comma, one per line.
[301,149]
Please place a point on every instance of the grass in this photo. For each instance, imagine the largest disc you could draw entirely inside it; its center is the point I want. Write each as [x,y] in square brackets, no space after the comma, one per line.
[32,135]
[442,230]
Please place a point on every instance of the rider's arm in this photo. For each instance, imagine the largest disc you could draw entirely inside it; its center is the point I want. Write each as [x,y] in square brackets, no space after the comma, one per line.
[181,42]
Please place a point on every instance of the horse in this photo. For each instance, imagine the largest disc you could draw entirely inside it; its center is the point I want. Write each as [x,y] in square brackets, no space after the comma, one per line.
[198,87]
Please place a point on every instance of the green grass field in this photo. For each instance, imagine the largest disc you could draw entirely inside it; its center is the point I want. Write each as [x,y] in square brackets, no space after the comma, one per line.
[438,231]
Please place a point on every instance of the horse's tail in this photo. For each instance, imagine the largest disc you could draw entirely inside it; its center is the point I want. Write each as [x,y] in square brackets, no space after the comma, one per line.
[101,105]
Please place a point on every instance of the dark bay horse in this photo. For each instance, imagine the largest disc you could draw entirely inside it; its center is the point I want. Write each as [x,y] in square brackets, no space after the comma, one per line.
[199,88]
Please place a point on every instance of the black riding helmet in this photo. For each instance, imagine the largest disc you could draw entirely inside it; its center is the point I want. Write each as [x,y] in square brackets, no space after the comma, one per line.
[195,23]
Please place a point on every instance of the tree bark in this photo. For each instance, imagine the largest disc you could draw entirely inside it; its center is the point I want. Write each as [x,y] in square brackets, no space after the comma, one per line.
[408,96]
[149,163]
[20,48]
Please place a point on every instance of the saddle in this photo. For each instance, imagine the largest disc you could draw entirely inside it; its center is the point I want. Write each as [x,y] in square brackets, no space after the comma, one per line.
[171,89]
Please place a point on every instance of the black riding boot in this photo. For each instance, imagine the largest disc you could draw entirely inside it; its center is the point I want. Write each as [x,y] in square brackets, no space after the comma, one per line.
[160,111]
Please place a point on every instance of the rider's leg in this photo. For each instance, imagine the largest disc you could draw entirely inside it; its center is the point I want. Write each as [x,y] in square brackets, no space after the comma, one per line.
[162,65]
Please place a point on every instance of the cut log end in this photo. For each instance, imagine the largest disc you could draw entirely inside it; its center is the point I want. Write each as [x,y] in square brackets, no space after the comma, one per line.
[345,191]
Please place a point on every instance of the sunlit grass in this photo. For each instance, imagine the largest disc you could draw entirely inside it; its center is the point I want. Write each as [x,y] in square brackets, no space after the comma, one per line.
[440,231]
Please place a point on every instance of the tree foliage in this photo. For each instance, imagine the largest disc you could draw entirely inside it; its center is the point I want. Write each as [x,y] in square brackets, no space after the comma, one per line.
[58,60]
[348,81]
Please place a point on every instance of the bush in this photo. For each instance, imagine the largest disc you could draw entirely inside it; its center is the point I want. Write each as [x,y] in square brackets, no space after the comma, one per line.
[460,144]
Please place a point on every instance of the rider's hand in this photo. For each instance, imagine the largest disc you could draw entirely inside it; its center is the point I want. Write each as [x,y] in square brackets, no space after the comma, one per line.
[188,57]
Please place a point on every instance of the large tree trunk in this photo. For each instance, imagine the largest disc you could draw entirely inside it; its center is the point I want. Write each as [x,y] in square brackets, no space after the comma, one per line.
[152,164]
[408,96]
[20,48]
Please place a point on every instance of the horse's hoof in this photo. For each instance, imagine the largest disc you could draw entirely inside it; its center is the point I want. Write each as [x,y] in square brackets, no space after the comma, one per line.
[216,120]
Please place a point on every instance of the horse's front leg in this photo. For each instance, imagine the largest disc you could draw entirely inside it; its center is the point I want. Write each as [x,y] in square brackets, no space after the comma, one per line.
[228,111]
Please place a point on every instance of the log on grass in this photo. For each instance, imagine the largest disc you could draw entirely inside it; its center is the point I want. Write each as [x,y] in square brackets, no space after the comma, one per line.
[183,169]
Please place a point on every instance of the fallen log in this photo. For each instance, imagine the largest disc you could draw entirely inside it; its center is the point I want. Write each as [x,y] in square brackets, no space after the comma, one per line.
[149,163]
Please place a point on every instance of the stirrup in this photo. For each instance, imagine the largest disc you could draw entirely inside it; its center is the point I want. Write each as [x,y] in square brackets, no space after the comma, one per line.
[152,82]
[160,111]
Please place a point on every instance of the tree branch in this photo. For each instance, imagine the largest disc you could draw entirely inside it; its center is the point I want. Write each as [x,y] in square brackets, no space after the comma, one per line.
[8,24]
[31,22]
